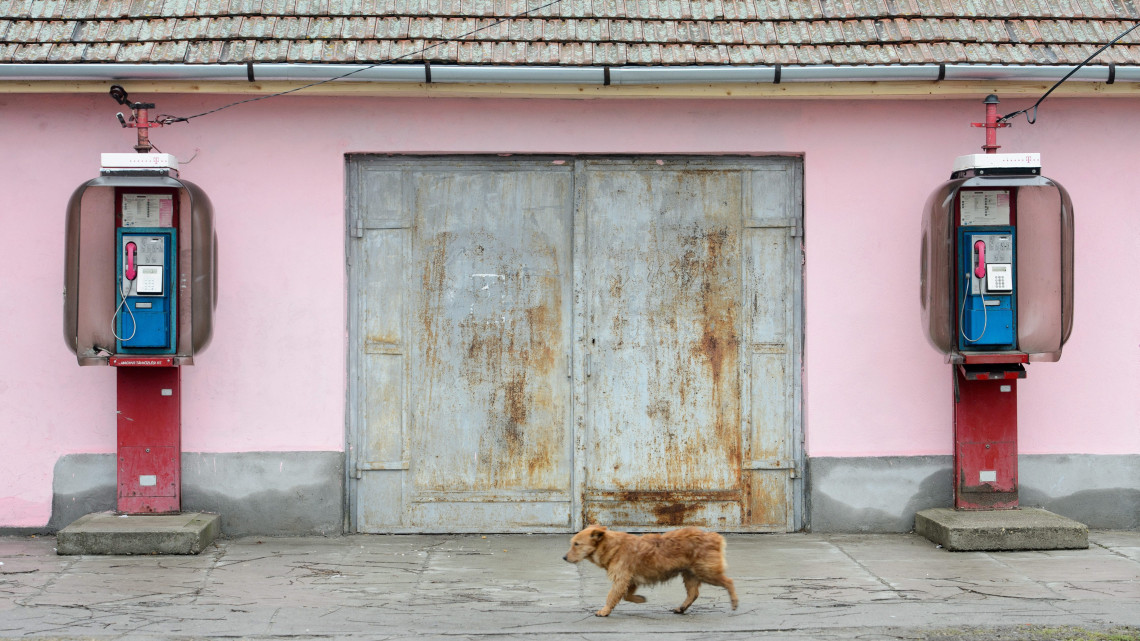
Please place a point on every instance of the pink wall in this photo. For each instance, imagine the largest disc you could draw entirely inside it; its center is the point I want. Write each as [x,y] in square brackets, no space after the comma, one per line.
[274,376]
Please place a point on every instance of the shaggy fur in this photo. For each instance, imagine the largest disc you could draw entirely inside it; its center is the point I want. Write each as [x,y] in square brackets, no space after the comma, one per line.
[632,561]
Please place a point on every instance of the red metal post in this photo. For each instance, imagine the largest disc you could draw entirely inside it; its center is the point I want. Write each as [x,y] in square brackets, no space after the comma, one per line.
[985,443]
[142,123]
[149,439]
[991,124]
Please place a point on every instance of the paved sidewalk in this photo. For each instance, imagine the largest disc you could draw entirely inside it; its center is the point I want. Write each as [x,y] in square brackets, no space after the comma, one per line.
[793,586]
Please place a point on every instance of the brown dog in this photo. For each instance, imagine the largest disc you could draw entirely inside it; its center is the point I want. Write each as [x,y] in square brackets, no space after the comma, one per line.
[632,561]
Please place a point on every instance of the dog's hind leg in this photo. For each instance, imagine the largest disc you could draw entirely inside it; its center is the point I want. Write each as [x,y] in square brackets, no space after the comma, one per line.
[726,583]
[692,589]
[630,596]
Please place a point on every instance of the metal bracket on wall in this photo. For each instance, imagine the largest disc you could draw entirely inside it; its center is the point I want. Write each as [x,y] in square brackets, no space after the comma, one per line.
[378,466]
[793,472]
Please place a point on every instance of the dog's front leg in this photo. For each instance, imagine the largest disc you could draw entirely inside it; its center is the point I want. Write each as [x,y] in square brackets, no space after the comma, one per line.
[617,591]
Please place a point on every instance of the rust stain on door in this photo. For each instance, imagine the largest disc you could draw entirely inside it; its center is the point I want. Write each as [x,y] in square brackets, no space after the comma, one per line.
[480,355]
[491,403]
[509,357]
[665,403]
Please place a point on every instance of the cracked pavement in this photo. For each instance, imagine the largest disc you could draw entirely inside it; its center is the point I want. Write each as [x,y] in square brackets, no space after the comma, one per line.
[793,586]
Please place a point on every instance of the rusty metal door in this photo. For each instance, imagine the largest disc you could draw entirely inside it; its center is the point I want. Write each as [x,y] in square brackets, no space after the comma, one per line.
[538,343]
[690,336]
[461,300]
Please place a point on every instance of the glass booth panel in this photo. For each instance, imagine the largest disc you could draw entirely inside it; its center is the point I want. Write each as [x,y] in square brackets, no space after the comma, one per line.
[1044,271]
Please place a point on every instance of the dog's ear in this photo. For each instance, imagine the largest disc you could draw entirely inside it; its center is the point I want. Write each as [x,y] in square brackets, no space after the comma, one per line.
[598,533]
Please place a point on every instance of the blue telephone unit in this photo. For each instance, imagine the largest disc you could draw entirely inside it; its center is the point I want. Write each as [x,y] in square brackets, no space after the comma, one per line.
[145,297]
[988,311]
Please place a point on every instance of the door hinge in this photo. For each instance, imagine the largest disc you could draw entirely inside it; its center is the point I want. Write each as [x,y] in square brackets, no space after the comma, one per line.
[358,228]
[775,465]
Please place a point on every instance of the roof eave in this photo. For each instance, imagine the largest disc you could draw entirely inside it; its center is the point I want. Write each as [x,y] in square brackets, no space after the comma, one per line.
[266,77]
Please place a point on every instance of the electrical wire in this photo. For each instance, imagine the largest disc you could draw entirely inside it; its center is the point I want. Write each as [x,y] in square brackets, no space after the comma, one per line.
[1033,119]
[166,119]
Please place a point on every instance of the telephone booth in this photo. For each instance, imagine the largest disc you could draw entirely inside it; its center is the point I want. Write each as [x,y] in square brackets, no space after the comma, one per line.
[997,294]
[140,289]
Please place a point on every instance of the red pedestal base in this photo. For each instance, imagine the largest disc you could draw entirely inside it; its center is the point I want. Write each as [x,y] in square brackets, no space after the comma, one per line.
[985,442]
[149,440]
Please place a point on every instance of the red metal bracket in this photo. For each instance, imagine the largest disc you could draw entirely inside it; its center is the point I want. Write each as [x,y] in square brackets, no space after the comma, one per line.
[142,361]
[993,358]
[1004,371]
[991,124]
[140,118]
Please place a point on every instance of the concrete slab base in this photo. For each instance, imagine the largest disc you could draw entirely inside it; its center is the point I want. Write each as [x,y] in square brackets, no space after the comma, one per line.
[110,533]
[1003,530]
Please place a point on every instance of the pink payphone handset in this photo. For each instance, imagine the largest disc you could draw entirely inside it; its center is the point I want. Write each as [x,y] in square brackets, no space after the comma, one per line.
[129,271]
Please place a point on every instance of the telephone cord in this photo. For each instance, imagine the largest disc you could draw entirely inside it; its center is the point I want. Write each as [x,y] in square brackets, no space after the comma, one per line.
[123,304]
[962,314]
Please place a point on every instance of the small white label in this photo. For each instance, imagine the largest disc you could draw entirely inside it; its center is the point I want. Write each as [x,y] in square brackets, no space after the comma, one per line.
[987,476]
[168,392]
[148,480]
[1006,388]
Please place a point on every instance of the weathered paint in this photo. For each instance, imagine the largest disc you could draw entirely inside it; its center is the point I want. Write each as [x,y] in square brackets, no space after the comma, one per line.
[464,293]
[674,252]
[469,301]
[490,330]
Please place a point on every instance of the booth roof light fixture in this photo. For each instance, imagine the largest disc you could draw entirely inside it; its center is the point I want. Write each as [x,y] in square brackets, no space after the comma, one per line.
[997,161]
[132,162]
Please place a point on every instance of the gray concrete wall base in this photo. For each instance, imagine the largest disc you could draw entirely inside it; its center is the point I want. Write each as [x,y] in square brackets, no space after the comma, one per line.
[875,494]
[1101,491]
[266,493]
[81,484]
[882,494]
[302,493]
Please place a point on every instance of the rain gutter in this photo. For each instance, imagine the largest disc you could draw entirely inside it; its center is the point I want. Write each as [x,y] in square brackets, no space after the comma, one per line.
[601,75]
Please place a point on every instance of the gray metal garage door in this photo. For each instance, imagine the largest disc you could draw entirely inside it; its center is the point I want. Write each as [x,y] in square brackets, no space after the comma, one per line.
[537,343]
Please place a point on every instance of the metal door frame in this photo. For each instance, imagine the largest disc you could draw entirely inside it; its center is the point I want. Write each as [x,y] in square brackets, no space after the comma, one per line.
[579,361]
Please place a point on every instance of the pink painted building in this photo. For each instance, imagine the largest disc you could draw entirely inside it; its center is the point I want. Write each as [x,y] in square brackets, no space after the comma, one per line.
[573,271]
